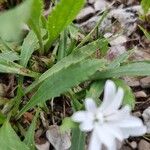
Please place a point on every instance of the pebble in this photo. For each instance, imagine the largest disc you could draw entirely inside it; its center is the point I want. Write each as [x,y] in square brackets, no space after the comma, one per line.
[145,82]
[144,145]
[132,82]
[146,117]
[137,114]
[125,148]
[133,144]
[140,94]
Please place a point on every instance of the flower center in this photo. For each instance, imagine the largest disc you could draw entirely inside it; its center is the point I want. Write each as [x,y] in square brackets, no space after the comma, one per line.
[99,118]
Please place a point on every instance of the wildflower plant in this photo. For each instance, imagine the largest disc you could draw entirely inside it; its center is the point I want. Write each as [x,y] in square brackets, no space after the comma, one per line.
[108,122]
[48,60]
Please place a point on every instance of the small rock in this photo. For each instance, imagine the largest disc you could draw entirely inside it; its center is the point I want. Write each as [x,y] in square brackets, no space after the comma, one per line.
[85,12]
[43,146]
[144,145]
[145,82]
[140,94]
[146,117]
[137,114]
[125,148]
[60,141]
[133,144]
[132,82]
[100,5]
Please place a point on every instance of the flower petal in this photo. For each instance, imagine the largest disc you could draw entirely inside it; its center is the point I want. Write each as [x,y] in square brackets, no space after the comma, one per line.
[129,122]
[134,131]
[109,93]
[105,137]
[114,131]
[79,116]
[123,113]
[94,144]
[116,102]
[90,105]
[86,126]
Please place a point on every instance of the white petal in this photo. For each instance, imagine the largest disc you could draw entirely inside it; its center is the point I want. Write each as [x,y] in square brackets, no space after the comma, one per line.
[109,93]
[90,105]
[121,114]
[105,137]
[116,102]
[86,126]
[79,116]
[130,122]
[114,131]
[94,143]
[134,131]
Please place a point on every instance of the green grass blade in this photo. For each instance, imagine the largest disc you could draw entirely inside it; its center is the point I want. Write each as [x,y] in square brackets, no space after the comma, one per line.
[13,68]
[9,55]
[132,69]
[34,20]
[77,139]
[9,139]
[61,81]
[129,98]
[61,16]
[76,56]
[146,33]
[145,5]
[11,21]
[29,137]
[28,47]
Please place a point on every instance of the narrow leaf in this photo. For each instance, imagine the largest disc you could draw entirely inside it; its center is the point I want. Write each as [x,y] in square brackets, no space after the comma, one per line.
[75,57]
[34,20]
[29,137]
[145,5]
[11,22]
[132,69]
[129,98]
[96,90]
[28,47]
[63,80]
[9,139]
[61,16]
[9,55]
[11,67]
[78,139]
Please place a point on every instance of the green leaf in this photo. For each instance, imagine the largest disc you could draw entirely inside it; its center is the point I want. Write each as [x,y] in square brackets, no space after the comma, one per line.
[96,90]
[28,47]
[61,16]
[75,57]
[9,139]
[132,69]
[11,67]
[67,124]
[120,59]
[145,5]
[11,21]
[29,137]
[2,118]
[129,98]
[145,32]
[34,20]
[104,47]
[62,45]
[77,139]
[62,80]
[9,55]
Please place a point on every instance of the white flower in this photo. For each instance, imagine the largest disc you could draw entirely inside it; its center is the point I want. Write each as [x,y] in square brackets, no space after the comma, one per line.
[108,122]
